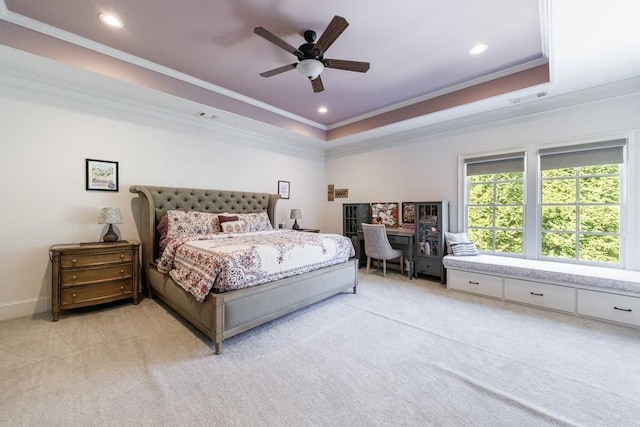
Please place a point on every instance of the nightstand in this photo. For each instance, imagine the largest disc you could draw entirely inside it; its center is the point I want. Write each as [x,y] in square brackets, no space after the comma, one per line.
[310,230]
[86,274]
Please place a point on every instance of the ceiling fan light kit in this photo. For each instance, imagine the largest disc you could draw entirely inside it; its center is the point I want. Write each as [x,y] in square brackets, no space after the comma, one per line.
[311,55]
[310,68]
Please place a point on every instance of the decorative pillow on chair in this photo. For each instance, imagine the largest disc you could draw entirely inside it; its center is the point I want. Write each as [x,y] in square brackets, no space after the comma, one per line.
[464,249]
[451,238]
[191,222]
[233,227]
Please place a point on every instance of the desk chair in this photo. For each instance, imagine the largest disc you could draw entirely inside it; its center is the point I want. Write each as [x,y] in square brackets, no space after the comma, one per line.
[377,246]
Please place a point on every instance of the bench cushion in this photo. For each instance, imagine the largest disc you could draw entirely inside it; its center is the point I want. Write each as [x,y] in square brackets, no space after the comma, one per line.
[545,271]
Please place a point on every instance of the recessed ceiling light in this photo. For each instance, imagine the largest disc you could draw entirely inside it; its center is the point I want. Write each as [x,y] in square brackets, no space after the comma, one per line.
[322,110]
[478,49]
[111,20]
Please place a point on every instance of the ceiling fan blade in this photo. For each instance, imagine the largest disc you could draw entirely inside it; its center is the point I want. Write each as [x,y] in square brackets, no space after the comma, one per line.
[317,85]
[269,36]
[340,64]
[278,70]
[337,25]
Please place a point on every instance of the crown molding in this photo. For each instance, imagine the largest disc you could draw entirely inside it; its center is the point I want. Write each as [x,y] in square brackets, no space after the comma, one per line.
[382,140]
[83,42]
[36,78]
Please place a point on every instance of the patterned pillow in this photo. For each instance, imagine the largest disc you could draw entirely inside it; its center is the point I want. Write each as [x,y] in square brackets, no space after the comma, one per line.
[182,223]
[464,249]
[256,221]
[233,227]
[162,228]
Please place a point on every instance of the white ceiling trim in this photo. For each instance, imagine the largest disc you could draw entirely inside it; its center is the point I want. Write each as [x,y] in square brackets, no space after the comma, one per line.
[452,89]
[373,142]
[37,76]
[66,36]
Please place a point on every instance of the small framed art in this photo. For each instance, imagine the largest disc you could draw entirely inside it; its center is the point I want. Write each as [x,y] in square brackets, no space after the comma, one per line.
[408,212]
[102,175]
[284,188]
[385,213]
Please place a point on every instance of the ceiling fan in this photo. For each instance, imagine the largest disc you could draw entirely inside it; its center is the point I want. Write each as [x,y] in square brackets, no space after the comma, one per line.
[311,60]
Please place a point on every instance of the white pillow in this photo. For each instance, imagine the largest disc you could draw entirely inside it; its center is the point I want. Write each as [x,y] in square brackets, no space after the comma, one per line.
[233,227]
[452,238]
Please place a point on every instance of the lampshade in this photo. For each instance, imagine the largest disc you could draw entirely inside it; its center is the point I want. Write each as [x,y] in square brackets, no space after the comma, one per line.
[110,216]
[310,68]
[296,214]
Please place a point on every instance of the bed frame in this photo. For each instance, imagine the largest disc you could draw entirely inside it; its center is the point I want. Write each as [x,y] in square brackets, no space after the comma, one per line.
[224,315]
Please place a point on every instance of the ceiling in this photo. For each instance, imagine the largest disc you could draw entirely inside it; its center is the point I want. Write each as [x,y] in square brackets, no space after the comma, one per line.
[206,51]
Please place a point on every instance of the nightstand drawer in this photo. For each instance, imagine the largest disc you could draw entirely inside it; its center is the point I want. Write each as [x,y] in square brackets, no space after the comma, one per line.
[105,292]
[99,258]
[95,275]
[428,266]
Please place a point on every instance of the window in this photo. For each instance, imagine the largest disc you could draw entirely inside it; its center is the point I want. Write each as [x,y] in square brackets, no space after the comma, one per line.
[495,202]
[580,192]
[575,210]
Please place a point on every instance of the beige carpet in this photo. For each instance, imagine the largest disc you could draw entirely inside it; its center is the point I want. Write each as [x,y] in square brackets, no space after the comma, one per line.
[398,353]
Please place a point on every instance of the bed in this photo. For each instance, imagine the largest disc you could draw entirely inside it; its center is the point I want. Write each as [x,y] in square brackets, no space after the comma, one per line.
[221,315]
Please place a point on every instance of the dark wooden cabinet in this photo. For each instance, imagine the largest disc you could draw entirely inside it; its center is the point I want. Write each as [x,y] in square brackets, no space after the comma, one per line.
[431,222]
[86,274]
[354,214]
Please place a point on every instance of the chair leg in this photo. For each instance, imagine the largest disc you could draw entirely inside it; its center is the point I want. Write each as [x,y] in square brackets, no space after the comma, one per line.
[384,268]
[401,264]
[368,264]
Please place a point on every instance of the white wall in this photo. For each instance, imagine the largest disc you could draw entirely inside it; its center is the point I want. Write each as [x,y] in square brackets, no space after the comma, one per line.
[45,139]
[426,169]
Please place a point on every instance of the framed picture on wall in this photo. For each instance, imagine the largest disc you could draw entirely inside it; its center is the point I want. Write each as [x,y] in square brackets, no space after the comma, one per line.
[284,188]
[101,175]
[385,213]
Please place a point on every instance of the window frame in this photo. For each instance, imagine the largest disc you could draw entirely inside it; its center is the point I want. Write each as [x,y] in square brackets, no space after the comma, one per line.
[533,192]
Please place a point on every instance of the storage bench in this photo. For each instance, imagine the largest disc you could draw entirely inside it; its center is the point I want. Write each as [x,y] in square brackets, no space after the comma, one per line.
[603,293]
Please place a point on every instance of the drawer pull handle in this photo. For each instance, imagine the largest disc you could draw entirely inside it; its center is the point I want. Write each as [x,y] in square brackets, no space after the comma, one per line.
[122,256]
[74,277]
[536,294]
[122,288]
[74,261]
[622,309]
[473,283]
[121,271]
[74,296]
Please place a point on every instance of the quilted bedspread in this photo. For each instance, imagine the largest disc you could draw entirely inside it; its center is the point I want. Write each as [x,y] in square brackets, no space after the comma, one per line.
[224,262]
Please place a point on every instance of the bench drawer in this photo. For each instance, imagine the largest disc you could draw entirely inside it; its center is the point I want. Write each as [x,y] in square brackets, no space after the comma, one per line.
[477,283]
[540,294]
[617,308]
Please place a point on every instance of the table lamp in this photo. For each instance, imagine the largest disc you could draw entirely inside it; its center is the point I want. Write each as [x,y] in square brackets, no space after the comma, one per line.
[296,214]
[110,216]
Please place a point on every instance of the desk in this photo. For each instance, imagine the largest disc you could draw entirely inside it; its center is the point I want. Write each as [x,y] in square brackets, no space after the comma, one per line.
[400,238]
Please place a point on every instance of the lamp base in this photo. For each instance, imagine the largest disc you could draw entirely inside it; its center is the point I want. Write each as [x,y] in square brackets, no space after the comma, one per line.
[295,225]
[110,235]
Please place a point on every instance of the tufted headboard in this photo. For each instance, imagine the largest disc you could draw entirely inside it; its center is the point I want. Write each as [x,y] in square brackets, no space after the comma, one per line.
[156,201]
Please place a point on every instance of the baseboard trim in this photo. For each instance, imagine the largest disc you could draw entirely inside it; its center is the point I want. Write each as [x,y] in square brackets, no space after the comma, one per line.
[25,307]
